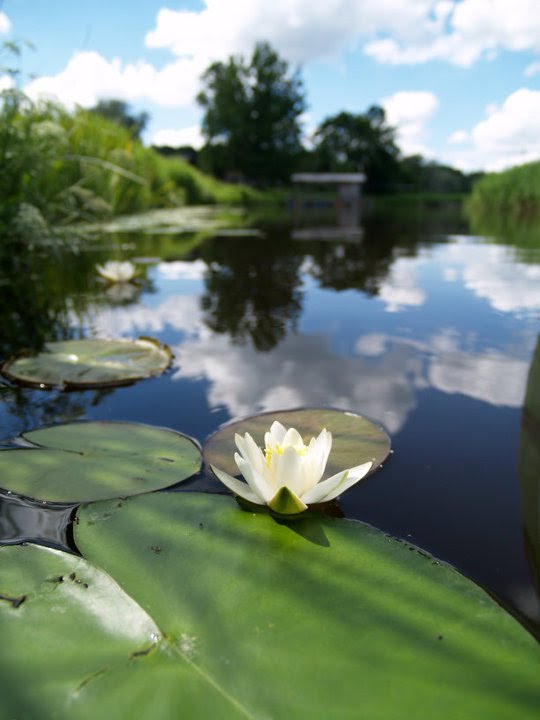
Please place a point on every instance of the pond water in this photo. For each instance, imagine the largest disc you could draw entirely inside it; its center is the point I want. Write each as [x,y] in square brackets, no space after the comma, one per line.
[409,320]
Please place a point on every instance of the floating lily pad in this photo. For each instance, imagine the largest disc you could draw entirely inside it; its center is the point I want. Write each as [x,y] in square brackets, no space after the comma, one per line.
[92,363]
[66,629]
[355,439]
[324,618]
[87,461]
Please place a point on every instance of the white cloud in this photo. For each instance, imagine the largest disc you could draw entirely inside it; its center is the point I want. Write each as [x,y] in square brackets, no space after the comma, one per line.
[409,112]
[5,23]
[491,377]
[182,270]
[508,285]
[400,288]
[177,138]
[300,29]
[507,136]
[300,371]
[179,312]
[89,77]
[463,32]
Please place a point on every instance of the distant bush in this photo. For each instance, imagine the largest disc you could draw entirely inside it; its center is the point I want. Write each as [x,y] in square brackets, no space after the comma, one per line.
[514,193]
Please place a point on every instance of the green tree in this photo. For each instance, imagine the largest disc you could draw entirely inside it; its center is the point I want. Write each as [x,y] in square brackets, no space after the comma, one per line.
[119,112]
[359,143]
[251,121]
[423,175]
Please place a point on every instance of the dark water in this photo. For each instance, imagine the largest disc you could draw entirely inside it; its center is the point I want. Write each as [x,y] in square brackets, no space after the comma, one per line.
[409,320]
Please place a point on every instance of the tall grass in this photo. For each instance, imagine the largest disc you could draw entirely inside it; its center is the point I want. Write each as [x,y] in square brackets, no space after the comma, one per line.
[513,193]
[60,167]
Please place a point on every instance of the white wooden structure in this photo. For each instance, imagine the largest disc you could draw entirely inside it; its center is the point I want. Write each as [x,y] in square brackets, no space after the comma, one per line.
[348,184]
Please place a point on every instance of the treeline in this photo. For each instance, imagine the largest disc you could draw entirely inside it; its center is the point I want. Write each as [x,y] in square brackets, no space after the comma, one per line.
[253,110]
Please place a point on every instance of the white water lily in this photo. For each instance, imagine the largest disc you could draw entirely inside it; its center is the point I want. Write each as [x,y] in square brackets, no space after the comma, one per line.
[117,271]
[287,474]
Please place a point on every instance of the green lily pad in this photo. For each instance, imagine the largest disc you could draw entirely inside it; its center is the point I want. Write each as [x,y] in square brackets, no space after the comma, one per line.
[322,618]
[80,364]
[66,628]
[87,461]
[355,439]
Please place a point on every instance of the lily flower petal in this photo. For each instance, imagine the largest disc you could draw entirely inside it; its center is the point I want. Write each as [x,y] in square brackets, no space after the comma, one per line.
[250,451]
[288,470]
[237,486]
[255,481]
[337,484]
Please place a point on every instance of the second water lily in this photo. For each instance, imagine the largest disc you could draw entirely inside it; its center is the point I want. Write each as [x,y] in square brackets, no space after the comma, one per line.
[117,271]
[287,474]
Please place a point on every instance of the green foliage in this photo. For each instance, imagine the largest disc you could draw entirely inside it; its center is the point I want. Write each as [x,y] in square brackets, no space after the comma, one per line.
[420,175]
[317,618]
[60,168]
[85,461]
[352,143]
[92,362]
[251,119]
[118,111]
[512,194]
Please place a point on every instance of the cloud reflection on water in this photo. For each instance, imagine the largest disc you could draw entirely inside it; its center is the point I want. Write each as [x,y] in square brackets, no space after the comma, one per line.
[383,373]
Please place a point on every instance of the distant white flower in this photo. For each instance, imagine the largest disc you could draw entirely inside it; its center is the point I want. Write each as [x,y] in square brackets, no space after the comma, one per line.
[116,271]
[287,474]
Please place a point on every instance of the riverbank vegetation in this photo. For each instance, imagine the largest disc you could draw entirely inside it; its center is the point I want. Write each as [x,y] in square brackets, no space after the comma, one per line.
[59,168]
[513,194]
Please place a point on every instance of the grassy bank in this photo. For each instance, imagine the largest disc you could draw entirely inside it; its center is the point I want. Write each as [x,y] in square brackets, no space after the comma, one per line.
[60,168]
[513,193]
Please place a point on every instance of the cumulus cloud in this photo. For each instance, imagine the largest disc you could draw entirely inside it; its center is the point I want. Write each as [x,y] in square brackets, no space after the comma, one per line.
[409,112]
[400,289]
[506,284]
[463,32]
[507,136]
[300,29]
[300,371]
[88,77]
[179,312]
[490,376]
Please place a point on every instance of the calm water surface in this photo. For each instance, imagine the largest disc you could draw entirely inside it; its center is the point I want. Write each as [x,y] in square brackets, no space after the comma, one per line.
[415,323]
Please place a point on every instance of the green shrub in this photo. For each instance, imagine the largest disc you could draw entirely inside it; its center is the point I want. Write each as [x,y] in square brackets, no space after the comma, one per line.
[514,193]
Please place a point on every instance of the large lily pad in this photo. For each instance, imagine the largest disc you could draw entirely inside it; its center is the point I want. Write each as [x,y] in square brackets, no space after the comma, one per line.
[322,618]
[86,461]
[66,626]
[355,439]
[90,363]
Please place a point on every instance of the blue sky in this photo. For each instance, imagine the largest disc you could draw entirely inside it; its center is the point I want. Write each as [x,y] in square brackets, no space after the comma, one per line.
[459,79]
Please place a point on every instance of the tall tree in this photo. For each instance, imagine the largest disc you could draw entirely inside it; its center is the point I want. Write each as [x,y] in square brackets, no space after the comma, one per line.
[251,119]
[364,142]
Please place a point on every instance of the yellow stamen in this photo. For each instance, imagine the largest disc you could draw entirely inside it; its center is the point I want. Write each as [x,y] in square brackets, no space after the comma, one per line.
[279,449]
